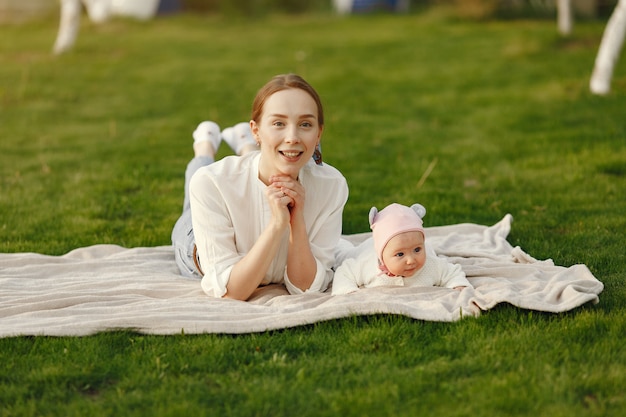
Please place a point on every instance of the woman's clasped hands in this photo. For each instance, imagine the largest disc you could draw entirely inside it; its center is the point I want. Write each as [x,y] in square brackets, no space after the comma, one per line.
[286,197]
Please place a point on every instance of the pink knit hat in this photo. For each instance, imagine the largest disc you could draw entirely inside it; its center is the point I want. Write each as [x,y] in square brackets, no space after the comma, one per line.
[393,220]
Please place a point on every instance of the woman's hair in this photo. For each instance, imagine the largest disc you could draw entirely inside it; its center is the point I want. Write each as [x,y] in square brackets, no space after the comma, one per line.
[284,82]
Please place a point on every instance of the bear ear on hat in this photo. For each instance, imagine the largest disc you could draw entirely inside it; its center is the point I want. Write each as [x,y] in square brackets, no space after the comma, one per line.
[419,209]
[372,215]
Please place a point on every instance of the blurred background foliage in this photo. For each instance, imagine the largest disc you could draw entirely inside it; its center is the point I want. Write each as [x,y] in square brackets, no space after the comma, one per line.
[473,9]
[17,11]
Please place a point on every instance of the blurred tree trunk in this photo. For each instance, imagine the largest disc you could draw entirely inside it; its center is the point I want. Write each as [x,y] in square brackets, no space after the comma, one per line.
[610,46]
[68,25]
[564,16]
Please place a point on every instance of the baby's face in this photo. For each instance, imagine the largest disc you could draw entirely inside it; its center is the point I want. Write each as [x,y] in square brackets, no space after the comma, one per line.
[405,254]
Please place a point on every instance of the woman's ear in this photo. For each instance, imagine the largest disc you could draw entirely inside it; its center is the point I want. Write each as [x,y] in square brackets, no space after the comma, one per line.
[254,127]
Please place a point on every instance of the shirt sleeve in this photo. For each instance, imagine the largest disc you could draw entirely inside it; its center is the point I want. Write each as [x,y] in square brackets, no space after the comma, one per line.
[345,280]
[213,232]
[451,275]
[361,271]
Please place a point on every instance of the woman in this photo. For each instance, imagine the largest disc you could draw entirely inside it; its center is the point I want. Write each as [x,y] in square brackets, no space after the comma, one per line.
[268,216]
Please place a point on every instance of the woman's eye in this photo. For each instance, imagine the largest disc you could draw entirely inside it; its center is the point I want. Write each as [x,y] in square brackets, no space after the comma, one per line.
[307,124]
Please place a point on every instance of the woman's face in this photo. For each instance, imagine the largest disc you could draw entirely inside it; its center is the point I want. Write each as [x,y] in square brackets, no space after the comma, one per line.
[288,132]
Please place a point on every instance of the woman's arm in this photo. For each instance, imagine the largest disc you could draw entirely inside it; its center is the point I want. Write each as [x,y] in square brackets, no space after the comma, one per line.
[301,264]
[235,251]
[247,274]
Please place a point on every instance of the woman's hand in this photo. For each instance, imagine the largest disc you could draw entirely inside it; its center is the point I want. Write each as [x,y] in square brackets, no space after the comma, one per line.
[279,203]
[293,190]
[301,265]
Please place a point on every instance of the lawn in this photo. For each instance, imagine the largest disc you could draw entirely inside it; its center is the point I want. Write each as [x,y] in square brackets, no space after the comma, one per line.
[472,119]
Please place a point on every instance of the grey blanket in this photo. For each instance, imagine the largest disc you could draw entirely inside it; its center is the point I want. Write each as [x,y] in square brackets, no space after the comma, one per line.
[108,287]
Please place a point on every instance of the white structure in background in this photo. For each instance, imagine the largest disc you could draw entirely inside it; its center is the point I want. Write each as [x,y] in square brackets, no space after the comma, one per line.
[610,47]
[343,6]
[564,16]
[99,11]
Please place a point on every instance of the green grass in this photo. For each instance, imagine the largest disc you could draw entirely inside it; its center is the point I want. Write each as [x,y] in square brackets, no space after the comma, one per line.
[92,150]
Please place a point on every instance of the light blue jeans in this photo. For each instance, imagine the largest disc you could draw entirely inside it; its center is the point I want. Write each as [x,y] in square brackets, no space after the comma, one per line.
[182,234]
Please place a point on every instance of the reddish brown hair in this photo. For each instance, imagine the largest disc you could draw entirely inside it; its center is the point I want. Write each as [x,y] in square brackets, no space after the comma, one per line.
[284,82]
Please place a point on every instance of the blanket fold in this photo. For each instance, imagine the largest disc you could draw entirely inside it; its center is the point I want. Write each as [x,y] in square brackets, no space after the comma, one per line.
[108,287]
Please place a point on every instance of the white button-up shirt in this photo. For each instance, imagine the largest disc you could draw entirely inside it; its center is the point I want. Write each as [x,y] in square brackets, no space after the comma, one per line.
[230,211]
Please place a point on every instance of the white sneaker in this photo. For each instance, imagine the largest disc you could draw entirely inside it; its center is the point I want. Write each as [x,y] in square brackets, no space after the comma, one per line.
[238,136]
[208,131]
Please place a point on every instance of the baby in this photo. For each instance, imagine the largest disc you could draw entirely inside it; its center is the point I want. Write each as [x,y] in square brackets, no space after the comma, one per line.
[396,255]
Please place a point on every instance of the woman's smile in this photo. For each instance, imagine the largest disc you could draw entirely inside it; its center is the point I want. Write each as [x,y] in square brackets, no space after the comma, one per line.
[291,154]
